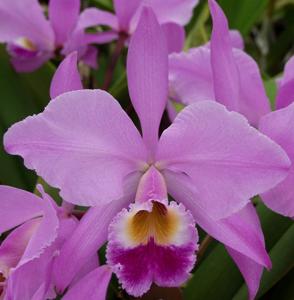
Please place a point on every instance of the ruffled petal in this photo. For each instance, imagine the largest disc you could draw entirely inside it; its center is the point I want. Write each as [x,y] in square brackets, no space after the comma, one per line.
[66,77]
[278,126]
[228,161]
[83,143]
[147,71]
[156,245]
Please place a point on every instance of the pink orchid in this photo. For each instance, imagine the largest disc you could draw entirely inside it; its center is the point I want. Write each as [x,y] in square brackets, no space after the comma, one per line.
[32,39]
[27,254]
[210,160]
[219,71]
[171,14]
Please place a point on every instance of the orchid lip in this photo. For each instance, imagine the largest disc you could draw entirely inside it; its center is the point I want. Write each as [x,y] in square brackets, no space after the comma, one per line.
[152,241]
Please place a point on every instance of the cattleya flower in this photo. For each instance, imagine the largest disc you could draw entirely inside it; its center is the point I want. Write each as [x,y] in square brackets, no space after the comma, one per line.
[171,14]
[32,39]
[210,160]
[39,229]
[219,71]
[285,95]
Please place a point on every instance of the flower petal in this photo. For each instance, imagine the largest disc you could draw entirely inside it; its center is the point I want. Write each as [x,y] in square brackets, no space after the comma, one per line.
[125,10]
[190,76]
[286,86]
[66,77]
[250,270]
[94,17]
[175,35]
[63,26]
[90,57]
[30,64]
[278,126]
[228,161]
[241,231]
[13,247]
[91,287]
[87,239]
[17,206]
[235,85]
[44,236]
[176,11]
[25,18]
[83,143]
[147,72]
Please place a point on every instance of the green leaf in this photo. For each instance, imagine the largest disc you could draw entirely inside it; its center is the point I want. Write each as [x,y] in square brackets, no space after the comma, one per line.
[271,91]
[21,95]
[243,14]
[282,259]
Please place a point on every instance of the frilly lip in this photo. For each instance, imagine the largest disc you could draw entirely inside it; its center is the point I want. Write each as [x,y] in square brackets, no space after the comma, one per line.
[164,260]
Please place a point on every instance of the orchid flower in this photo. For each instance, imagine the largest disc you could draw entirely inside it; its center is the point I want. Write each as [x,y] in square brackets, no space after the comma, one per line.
[39,229]
[32,39]
[171,14]
[210,160]
[286,86]
[219,71]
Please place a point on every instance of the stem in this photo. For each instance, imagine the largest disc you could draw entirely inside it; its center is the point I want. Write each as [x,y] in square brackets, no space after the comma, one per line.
[204,245]
[113,61]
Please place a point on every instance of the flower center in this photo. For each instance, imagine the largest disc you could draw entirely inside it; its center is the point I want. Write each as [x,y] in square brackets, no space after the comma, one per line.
[160,224]
[26,44]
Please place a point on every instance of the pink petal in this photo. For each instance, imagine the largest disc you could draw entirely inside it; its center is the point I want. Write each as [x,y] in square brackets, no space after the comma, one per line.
[190,76]
[30,281]
[288,71]
[63,26]
[250,270]
[278,126]
[125,10]
[13,247]
[25,18]
[237,39]
[175,11]
[44,236]
[66,77]
[286,86]
[175,35]
[93,17]
[228,161]
[30,64]
[17,206]
[241,231]
[86,240]
[83,143]
[90,57]
[147,75]
[233,81]
[92,287]
[137,265]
